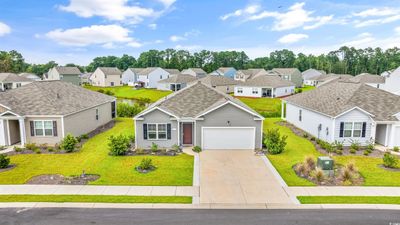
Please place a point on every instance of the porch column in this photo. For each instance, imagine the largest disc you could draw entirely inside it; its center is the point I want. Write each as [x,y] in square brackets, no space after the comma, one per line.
[282,110]
[373,132]
[272,93]
[22,131]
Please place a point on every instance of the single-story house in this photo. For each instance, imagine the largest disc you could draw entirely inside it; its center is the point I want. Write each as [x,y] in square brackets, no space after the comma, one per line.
[244,75]
[106,77]
[199,115]
[392,82]
[43,112]
[221,83]
[370,79]
[265,86]
[229,72]
[31,76]
[346,112]
[175,82]
[150,76]
[310,75]
[172,71]
[10,81]
[65,73]
[290,74]
[130,76]
[196,72]
[329,78]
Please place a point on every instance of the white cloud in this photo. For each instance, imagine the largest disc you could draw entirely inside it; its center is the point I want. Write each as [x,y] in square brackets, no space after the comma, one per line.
[176,38]
[386,11]
[117,10]
[320,22]
[152,26]
[379,21]
[185,36]
[188,47]
[397,30]
[96,34]
[4,29]
[249,10]
[135,44]
[361,39]
[292,38]
[167,3]
[376,16]
[366,40]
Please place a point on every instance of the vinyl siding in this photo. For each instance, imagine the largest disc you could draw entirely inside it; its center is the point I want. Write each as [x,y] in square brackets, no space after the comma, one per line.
[248,92]
[73,79]
[283,91]
[155,76]
[128,77]
[43,140]
[113,78]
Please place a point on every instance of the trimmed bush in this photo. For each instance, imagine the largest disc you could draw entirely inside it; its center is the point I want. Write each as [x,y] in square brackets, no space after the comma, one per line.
[390,160]
[118,145]
[318,175]
[274,142]
[396,149]
[127,110]
[196,149]
[338,145]
[339,152]
[30,146]
[68,144]
[154,147]
[366,152]
[146,164]
[352,151]
[4,161]
[355,145]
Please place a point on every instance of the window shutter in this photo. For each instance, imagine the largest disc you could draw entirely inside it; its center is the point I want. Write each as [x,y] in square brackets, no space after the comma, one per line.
[32,128]
[55,128]
[145,131]
[364,129]
[169,131]
[341,129]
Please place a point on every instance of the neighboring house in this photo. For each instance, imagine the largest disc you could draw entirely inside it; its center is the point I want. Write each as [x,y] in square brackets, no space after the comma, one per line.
[310,75]
[370,79]
[229,72]
[106,77]
[221,83]
[329,78]
[150,76]
[244,75]
[173,71]
[69,74]
[10,81]
[31,76]
[265,86]
[392,82]
[130,76]
[196,72]
[44,112]
[290,74]
[175,82]
[85,78]
[347,112]
[199,115]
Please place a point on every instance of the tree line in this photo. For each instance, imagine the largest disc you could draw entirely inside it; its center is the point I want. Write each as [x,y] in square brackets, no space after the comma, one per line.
[345,60]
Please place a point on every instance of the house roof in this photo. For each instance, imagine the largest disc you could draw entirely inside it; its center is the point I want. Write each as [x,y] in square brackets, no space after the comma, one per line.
[338,97]
[267,81]
[172,71]
[285,71]
[328,78]
[369,78]
[195,100]
[12,77]
[311,73]
[136,70]
[85,75]
[29,75]
[198,71]
[110,70]
[147,70]
[218,81]
[68,70]
[51,98]
[179,79]
[252,73]
[225,69]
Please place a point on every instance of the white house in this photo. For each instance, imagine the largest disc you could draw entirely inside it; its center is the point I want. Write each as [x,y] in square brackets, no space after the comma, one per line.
[392,82]
[310,75]
[31,76]
[221,83]
[150,76]
[175,82]
[106,77]
[229,72]
[130,76]
[265,86]
[243,75]
[10,81]
[346,112]
[196,72]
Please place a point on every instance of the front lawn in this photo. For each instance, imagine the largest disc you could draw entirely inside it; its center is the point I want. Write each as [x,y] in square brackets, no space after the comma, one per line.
[96,198]
[348,200]
[93,158]
[298,148]
[306,88]
[268,107]
[128,92]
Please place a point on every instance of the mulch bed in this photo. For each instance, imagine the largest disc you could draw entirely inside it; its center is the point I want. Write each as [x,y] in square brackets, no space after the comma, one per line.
[133,152]
[345,151]
[62,180]
[389,169]
[9,167]
[145,171]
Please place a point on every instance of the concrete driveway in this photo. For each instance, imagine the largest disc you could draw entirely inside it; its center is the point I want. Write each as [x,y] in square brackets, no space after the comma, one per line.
[238,177]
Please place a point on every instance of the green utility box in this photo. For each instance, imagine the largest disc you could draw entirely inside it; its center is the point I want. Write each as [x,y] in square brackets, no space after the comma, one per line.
[325,163]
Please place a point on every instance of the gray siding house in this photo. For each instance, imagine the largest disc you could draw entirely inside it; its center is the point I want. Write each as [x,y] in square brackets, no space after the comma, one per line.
[69,74]
[291,74]
[44,112]
[175,82]
[199,115]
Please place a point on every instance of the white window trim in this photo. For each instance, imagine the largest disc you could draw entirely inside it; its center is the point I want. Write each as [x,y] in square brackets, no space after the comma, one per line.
[97,114]
[352,129]
[254,90]
[240,90]
[157,139]
[43,129]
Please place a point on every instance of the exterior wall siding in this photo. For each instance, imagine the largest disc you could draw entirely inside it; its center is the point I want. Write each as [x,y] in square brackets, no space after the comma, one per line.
[98,78]
[354,116]
[247,92]
[392,82]
[128,77]
[43,140]
[113,78]
[283,91]
[73,79]
[155,76]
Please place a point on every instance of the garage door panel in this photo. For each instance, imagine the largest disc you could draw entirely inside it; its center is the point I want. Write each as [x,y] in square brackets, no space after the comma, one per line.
[228,138]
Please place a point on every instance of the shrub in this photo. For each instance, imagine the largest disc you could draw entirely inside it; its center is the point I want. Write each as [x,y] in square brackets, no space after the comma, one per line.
[118,145]
[146,164]
[370,147]
[274,142]
[84,136]
[176,148]
[17,149]
[312,138]
[78,139]
[352,151]
[196,149]
[142,102]
[108,92]
[37,150]
[396,149]
[4,161]
[351,167]
[139,151]
[154,147]
[319,175]
[355,145]
[347,175]
[131,138]
[338,145]
[390,160]
[366,152]
[127,110]
[339,152]
[302,169]
[68,144]
[30,146]
[100,90]
[310,162]
[50,149]
[305,135]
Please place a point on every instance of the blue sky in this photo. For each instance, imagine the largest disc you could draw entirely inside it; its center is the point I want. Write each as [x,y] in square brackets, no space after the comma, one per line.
[79,30]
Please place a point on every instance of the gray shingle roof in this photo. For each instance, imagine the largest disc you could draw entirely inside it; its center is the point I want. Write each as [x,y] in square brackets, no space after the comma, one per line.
[285,71]
[218,81]
[198,71]
[110,70]
[194,100]
[147,70]
[29,75]
[68,70]
[252,73]
[12,77]
[267,81]
[51,98]
[225,69]
[310,73]
[179,79]
[136,70]
[369,78]
[172,71]
[337,97]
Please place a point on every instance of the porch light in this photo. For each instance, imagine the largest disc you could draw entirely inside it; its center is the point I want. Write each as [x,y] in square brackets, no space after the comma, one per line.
[228,123]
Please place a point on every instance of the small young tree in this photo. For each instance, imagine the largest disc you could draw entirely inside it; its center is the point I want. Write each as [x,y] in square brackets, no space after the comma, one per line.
[274,142]
[4,161]
[68,143]
[118,145]
[390,160]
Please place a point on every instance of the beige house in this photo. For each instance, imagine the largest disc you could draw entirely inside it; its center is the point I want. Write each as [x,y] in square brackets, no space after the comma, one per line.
[106,77]
[10,81]
[45,111]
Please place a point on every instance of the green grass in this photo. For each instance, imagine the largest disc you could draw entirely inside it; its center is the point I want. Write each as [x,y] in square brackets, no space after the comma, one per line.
[130,93]
[94,159]
[306,88]
[298,148]
[264,106]
[96,198]
[348,200]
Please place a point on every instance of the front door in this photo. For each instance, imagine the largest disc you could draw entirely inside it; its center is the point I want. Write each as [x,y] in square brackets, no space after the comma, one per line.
[187,134]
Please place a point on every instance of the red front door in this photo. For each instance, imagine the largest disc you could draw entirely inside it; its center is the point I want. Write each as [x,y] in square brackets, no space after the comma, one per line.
[187,134]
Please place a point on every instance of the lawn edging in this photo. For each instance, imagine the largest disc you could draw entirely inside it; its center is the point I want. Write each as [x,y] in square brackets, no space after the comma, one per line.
[349,199]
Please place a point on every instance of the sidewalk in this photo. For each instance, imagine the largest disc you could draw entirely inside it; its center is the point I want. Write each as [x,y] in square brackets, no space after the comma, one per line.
[343,191]
[99,190]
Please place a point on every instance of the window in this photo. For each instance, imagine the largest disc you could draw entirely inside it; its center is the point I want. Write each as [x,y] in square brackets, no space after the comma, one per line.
[357,129]
[300,115]
[162,131]
[157,131]
[97,114]
[348,129]
[160,77]
[286,77]
[113,109]
[43,128]
[18,85]
[255,90]
[152,131]
[240,90]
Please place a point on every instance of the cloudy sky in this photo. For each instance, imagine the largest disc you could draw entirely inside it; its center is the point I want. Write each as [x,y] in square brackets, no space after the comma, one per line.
[79,30]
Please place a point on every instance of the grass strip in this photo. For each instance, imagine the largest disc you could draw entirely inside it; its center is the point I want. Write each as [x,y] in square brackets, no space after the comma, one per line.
[349,199]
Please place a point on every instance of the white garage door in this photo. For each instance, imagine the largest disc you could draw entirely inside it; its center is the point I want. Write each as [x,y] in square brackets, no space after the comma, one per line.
[228,138]
[397,136]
